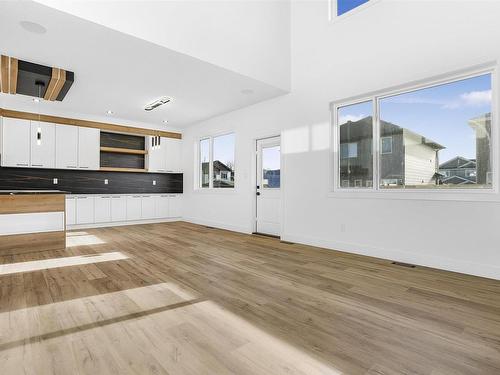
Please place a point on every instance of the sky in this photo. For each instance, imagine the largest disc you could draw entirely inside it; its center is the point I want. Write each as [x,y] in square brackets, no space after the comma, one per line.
[344,6]
[440,113]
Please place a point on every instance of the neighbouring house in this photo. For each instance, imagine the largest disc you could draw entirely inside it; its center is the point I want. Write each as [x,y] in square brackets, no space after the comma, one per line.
[223,175]
[482,128]
[458,171]
[271,178]
[407,158]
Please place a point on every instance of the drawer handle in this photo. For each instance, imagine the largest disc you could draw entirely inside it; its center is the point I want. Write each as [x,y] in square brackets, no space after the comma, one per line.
[22,164]
[37,165]
[83,167]
[71,166]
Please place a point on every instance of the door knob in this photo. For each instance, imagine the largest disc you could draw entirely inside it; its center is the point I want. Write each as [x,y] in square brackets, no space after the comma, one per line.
[258,193]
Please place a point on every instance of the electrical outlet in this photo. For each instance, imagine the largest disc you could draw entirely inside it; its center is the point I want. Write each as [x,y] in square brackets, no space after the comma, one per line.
[55,181]
[106,181]
[154,182]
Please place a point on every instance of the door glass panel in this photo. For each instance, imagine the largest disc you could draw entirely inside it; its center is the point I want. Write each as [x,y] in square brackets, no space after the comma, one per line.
[271,167]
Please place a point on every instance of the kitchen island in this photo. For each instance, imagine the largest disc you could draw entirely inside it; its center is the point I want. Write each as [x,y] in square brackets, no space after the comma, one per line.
[32,220]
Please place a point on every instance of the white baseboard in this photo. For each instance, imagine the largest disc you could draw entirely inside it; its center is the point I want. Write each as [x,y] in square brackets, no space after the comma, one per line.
[219,225]
[120,223]
[476,269]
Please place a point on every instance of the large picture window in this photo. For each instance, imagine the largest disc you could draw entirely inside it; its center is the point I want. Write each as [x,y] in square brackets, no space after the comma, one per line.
[434,137]
[216,162]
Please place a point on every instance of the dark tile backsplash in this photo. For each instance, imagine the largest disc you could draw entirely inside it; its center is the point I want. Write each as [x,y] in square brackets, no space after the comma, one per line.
[90,182]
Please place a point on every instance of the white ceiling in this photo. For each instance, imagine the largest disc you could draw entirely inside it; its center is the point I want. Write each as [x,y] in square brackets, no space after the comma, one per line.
[118,72]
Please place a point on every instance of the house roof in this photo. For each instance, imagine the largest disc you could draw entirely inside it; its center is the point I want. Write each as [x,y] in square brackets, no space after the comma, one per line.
[362,129]
[220,166]
[458,162]
[457,180]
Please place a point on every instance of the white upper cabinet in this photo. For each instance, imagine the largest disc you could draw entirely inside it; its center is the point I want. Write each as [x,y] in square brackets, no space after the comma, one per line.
[66,147]
[173,158]
[165,157]
[43,149]
[15,142]
[88,148]
[156,155]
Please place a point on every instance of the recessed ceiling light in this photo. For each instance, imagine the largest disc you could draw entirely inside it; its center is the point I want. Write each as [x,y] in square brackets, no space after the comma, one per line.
[247,91]
[110,112]
[33,27]
[165,121]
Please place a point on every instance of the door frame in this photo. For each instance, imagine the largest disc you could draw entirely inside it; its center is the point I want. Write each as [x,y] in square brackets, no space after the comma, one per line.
[255,152]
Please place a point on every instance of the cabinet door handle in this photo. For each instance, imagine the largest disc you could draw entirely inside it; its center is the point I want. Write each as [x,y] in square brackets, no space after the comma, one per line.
[37,165]
[83,167]
[71,166]
[22,164]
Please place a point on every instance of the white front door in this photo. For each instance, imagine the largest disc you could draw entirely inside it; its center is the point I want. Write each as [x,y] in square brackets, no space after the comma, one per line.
[269,186]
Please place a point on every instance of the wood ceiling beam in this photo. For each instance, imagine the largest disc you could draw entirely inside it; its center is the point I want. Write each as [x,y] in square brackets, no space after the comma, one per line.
[4,73]
[54,79]
[88,124]
[13,75]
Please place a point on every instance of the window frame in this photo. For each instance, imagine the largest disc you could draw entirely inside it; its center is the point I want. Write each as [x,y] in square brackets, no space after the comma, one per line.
[408,193]
[198,171]
[333,7]
[382,148]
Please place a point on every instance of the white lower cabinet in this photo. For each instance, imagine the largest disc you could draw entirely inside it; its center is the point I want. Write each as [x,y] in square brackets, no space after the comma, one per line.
[118,208]
[102,209]
[99,209]
[70,210]
[148,207]
[84,210]
[161,206]
[134,207]
[175,205]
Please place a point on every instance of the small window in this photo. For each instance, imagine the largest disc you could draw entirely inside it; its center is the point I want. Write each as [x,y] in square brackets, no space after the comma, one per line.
[386,145]
[204,167]
[344,6]
[216,159]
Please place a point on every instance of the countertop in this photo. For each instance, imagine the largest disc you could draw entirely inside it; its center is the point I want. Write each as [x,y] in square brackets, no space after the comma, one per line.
[18,192]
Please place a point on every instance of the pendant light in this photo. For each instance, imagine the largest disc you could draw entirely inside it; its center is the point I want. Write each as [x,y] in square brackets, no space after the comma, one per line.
[37,100]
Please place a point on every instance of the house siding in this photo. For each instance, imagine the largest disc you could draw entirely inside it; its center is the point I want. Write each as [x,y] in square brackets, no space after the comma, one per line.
[420,162]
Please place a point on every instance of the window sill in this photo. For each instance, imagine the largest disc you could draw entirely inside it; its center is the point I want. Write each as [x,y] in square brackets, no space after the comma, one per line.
[216,191]
[487,195]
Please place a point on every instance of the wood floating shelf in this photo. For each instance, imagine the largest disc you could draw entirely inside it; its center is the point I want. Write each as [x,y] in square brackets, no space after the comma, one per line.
[116,169]
[119,150]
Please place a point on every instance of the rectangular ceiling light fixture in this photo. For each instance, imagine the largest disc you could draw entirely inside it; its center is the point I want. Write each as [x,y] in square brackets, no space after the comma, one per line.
[157,103]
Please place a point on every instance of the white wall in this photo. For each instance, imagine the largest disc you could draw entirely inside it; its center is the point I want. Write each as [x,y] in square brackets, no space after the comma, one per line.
[249,37]
[387,44]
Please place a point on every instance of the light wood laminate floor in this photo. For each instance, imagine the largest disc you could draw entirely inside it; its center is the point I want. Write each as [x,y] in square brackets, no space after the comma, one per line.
[177,298]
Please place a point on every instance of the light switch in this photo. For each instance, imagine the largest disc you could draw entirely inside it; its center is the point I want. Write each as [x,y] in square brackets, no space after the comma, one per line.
[105,181]
[154,182]
[55,181]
